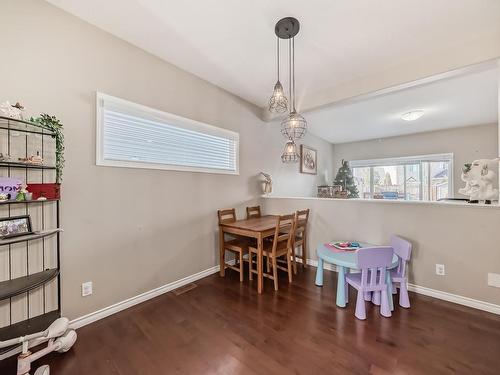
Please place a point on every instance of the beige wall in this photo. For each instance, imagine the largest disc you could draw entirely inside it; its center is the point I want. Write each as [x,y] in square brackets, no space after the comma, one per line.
[463,238]
[466,144]
[130,230]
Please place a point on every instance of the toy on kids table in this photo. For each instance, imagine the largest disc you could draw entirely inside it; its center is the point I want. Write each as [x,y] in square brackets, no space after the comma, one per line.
[480,177]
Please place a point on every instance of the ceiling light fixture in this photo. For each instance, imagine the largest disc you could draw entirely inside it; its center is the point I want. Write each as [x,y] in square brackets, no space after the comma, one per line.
[294,126]
[412,115]
[278,102]
[290,154]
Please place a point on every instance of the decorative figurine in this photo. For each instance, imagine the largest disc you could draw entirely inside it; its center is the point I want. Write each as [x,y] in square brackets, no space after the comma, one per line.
[480,177]
[267,184]
[33,159]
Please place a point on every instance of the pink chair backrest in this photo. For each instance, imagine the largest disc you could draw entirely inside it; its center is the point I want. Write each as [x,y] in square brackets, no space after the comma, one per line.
[370,260]
[402,249]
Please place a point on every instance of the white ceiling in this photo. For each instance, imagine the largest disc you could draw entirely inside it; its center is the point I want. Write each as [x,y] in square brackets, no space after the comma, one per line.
[464,100]
[232,44]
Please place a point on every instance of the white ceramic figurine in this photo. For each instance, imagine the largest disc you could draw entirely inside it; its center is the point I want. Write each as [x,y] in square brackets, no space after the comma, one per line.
[480,177]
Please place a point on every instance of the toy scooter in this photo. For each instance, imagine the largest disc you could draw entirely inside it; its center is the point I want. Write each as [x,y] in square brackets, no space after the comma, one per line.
[59,337]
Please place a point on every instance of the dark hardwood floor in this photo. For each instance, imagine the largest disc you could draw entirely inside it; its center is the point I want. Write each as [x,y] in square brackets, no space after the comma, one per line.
[224,327]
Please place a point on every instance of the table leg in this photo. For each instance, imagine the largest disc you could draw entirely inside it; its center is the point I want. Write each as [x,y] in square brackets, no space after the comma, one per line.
[341,287]
[319,273]
[260,274]
[221,252]
[389,289]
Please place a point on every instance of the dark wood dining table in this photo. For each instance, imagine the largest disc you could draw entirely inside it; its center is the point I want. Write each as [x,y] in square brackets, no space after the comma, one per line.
[258,228]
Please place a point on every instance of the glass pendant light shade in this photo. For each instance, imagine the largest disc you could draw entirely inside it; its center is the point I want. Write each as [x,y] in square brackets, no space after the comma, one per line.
[278,102]
[294,126]
[290,154]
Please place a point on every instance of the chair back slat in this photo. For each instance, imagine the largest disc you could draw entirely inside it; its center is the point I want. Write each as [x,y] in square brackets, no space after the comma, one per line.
[402,248]
[253,212]
[302,217]
[373,263]
[285,231]
[226,216]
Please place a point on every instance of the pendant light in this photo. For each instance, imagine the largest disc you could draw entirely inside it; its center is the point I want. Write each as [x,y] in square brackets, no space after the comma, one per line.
[294,126]
[290,154]
[278,102]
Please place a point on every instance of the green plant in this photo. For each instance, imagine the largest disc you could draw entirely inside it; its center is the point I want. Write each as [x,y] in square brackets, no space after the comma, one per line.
[52,124]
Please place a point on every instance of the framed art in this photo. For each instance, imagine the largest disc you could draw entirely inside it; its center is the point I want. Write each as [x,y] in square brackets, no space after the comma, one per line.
[308,160]
[15,226]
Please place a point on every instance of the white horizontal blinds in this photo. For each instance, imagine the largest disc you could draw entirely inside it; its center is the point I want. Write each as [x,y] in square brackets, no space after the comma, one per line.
[134,136]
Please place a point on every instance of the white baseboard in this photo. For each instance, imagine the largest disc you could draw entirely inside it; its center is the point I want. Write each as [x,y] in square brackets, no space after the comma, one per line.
[445,296]
[117,307]
[465,301]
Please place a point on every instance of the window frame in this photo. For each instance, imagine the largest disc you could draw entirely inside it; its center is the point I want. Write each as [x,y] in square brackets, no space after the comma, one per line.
[405,161]
[169,118]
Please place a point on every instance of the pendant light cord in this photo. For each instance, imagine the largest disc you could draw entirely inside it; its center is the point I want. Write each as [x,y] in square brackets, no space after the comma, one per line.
[278,56]
[290,71]
[293,65]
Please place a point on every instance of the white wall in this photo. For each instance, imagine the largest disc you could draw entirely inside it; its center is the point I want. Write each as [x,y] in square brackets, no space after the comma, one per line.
[130,230]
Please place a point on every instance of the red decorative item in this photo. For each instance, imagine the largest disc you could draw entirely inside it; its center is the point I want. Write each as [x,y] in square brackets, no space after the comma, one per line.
[49,191]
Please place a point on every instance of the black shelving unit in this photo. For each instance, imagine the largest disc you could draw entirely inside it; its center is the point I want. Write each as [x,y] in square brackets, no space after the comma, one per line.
[34,279]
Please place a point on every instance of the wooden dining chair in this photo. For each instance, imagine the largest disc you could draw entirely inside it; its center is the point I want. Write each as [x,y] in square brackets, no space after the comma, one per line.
[234,244]
[300,238]
[281,246]
[253,212]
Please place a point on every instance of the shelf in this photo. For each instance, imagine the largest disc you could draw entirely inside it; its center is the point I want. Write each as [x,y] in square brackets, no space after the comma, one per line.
[12,164]
[29,237]
[28,202]
[19,285]
[16,121]
[29,326]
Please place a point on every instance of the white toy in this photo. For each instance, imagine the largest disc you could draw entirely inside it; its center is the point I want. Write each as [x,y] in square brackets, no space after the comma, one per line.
[13,111]
[480,177]
[59,337]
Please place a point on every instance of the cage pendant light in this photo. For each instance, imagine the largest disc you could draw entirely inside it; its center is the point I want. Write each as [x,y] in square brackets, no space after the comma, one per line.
[278,103]
[294,126]
[290,154]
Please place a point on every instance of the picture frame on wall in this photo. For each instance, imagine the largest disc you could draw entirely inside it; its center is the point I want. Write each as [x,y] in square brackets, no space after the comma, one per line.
[308,160]
[15,226]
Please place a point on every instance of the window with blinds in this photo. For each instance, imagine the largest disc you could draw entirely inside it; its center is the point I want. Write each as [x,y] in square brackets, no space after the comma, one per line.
[132,135]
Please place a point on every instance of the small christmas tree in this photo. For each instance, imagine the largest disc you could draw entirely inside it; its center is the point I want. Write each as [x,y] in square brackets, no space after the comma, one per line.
[345,179]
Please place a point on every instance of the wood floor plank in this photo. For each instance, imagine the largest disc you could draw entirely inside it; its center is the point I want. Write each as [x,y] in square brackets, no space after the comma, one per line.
[224,327]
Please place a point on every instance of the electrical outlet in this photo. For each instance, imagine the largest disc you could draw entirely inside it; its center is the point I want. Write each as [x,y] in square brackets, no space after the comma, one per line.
[494,279]
[440,270]
[87,289]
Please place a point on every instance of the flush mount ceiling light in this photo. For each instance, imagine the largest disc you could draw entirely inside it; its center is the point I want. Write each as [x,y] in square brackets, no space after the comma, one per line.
[290,154]
[412,115]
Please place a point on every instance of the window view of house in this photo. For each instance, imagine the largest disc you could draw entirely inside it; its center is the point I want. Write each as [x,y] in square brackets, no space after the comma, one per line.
[409,179]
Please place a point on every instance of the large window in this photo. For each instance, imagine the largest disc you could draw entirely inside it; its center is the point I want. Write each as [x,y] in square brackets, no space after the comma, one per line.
[132,135]
[427,177]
